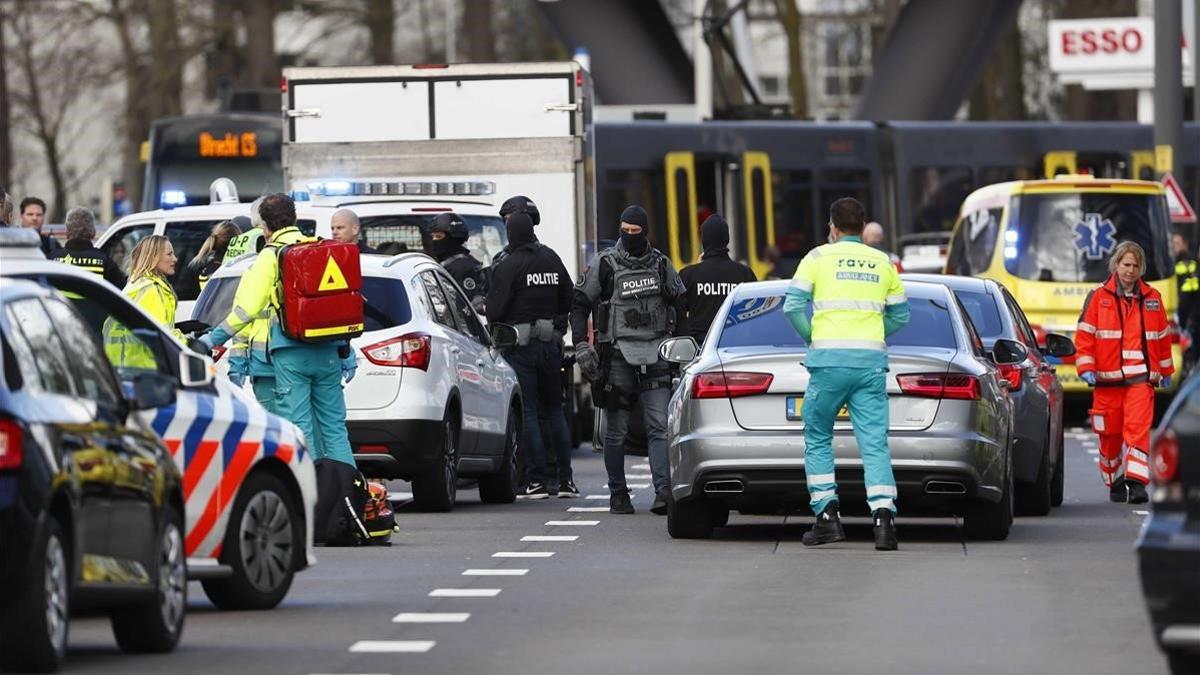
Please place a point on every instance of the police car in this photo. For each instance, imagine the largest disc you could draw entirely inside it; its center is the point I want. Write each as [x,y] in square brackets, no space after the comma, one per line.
[248,478]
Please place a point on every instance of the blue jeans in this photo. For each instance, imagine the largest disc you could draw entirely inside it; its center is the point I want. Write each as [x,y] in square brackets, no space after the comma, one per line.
[539,372]
[308,392]
[865,390]
[654,402]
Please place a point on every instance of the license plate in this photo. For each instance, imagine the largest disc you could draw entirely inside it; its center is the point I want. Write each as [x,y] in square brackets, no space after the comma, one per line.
[795,404]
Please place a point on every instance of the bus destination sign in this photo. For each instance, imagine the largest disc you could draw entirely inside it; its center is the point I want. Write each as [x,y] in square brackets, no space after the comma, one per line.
[230,145]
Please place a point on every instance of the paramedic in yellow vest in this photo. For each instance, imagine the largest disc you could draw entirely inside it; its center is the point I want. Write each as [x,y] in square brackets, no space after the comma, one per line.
[153,260]
[857,300]
[247,351]
[308,377]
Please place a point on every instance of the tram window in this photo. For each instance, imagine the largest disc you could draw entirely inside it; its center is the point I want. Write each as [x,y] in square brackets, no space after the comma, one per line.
[975,242]
[794,218]
[833,184]
[624,187]
[990,175]
[937,193]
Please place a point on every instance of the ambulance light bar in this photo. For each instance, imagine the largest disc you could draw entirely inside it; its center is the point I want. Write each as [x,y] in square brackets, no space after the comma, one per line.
[344,188]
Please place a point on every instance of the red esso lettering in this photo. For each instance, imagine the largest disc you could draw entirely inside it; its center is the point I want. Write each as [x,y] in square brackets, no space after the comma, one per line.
[1131,40]
[1108,41]
[1068,42]
[1089,41]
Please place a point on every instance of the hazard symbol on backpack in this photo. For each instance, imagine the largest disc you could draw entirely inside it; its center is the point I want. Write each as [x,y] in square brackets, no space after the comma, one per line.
[332,279]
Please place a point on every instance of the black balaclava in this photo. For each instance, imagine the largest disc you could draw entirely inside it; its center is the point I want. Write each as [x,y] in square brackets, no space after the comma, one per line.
[520,230]
[635,244]
[445,247]
[714,236]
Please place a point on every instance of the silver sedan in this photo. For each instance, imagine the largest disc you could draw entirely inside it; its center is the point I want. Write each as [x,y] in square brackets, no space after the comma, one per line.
[737,437]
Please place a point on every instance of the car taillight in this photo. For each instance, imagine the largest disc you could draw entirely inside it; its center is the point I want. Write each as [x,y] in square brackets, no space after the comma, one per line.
[11,448]
[940,385]
[730,384]
[406,351]
[1164,457]
[1011,373]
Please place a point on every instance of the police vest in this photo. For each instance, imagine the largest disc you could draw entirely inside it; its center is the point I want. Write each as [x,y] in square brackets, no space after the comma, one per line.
[638,311]
[1185,270]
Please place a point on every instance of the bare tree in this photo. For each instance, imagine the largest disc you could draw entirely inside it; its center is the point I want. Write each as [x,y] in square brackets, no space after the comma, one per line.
[792,21]
[6,163]
[262,64]
[1000,92]
[478,31]
[380,18]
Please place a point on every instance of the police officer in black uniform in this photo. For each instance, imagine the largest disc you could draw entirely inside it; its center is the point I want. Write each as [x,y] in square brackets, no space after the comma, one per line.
[711,280]
[531,290]
[81,252]
[448,237]
[1187,313]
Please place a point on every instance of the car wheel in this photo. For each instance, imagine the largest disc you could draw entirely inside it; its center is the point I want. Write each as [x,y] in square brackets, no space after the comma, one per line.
[501,487]
[435,489]
[33,627]
[1056,483]
[261,545]
[155,626]
[1034,499]
[991,522]
[689,519]
[1183,663]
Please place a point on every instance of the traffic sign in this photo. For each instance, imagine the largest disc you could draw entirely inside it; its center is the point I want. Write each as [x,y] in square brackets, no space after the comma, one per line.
[1181,211]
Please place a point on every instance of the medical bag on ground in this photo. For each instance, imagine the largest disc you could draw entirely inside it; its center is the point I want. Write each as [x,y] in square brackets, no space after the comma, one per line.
[320,291]
[379,517]
[341,502]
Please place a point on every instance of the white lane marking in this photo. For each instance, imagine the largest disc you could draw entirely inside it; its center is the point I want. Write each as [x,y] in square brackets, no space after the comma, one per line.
[597,497]
[571,523]
[550,537]
[642,465]
[464,592]
[494,573]
[588,509]
[399,496]
[1093,451]
[1141,513]
[392,646]
[431,617]
[639,478]
[522,554]
[638,486]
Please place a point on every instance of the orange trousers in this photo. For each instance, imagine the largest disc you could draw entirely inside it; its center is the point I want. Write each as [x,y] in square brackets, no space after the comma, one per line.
[1122,417]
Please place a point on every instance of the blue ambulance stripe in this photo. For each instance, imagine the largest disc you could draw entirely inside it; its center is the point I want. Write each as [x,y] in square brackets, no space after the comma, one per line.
[195,432]
[162,419]
[237,429]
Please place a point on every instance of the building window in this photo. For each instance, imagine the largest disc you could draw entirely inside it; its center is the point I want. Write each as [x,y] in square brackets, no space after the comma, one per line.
[844,59]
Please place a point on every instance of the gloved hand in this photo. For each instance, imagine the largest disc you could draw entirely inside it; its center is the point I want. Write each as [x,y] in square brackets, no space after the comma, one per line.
[1090,378]
[588,361]
[349,366]
[207,341]
[1165,383]
[237,378]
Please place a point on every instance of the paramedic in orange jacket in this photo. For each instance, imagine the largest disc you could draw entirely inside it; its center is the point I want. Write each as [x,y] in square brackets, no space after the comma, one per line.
[1123,349]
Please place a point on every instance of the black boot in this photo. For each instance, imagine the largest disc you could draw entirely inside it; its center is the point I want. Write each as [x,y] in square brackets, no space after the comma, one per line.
[1137,492]
[1118,492]
[885,530]
[660,503]
[827,530]
[619,502]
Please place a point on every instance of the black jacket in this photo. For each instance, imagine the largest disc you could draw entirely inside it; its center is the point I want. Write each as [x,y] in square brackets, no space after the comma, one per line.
[708,283]
[83,254]
[528,284]
[49,245]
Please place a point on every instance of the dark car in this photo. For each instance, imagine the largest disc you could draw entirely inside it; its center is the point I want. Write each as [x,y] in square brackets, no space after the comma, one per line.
[91,506]
[1036,394]
[1169,546]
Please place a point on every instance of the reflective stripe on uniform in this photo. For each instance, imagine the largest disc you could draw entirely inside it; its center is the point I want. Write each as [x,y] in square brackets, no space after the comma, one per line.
[1136,369]
[1166,363]
[1085,360]
[1152,335]
[864,305]
[1108,334]
[896,299]
[1131,354]
[877,345]
[803,284]
[1109,374]
[822,494]
[1085,327]
[882,503]
[820,479]
[881,491]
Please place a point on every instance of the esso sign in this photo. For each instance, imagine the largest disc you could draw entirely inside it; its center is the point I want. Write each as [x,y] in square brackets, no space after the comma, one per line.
[1101,45]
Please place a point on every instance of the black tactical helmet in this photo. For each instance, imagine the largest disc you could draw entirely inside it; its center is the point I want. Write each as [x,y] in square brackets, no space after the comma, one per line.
[451,224]
[521,204]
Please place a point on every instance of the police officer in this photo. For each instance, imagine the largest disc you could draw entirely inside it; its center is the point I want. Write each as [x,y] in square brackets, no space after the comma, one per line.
[448,237]
[531,290]
[857,299]
[636,295]
[1188,277]
[81,252]
[709,281]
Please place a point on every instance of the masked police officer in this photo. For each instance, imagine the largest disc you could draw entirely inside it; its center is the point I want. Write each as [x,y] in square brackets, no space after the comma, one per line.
[636,295]
[448,237]
[531,290]
[710,281]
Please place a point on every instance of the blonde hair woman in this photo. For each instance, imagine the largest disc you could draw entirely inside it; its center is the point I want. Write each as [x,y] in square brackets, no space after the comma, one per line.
[151,262]
[1123,349]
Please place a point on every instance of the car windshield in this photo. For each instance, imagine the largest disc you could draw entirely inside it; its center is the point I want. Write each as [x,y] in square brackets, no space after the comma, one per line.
[408,232]
[982,309]
[1069,236]
[760,322]
[386,302]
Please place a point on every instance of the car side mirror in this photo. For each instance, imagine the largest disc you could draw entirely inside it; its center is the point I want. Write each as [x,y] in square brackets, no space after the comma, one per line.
[1059,345]
[196,370]
[678,350]
[152,390]
[1008,352]
[503,335]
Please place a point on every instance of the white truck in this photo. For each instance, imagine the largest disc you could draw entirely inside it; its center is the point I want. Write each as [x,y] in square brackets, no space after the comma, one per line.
[398,144]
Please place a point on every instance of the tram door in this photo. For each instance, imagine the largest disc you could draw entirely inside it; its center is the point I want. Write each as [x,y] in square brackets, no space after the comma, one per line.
[739,188]
[1137,164]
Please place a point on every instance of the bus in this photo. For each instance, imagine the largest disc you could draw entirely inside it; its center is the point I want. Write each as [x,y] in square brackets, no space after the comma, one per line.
[187,153]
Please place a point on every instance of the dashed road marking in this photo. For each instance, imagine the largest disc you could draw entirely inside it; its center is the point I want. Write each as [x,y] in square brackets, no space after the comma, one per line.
[550,537]
[392,646]
[1141,513]
[588,509]
[571,523]
[464,592]
[522,554]
[1093,451]
[431,617]
[638,486]
[596,497]
[495,573]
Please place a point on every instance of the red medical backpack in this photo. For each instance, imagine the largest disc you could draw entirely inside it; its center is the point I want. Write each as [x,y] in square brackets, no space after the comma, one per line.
[320,291]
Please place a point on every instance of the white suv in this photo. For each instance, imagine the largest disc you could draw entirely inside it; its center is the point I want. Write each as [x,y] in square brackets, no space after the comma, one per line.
[433,399]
